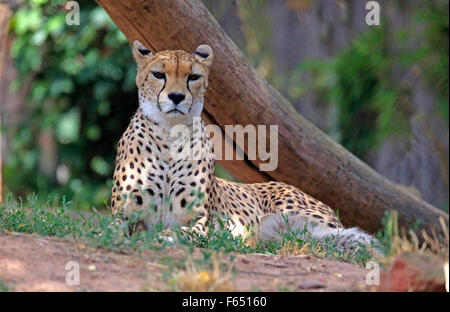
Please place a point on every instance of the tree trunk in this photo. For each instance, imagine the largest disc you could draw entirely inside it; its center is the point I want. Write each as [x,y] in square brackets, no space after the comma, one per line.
[5,14]
[308,158]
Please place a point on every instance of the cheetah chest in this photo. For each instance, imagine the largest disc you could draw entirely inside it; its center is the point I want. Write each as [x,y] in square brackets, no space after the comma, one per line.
[171,178]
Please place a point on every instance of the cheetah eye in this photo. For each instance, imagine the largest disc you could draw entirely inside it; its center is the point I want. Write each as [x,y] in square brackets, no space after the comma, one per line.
[159,75]
[193,77]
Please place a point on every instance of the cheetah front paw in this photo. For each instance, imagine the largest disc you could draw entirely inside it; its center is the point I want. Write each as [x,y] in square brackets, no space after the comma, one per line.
[166,239]
[167,236]
[192,233]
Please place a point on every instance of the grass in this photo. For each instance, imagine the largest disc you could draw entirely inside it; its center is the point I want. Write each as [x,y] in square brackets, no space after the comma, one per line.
[28,216]
[44,217]
[194,273]
[186,273]
[4,287]
[397,241]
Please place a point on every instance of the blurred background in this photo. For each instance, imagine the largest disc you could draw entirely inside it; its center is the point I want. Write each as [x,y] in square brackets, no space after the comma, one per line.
[68,92]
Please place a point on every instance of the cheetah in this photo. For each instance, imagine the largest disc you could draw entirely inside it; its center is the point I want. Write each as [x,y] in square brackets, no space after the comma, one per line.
[157,173]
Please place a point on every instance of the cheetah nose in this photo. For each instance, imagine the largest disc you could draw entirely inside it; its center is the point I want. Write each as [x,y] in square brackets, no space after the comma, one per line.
[176,97]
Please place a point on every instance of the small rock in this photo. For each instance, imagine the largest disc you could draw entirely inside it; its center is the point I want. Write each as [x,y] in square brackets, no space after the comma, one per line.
[81,246]
[311,285]
[314,268]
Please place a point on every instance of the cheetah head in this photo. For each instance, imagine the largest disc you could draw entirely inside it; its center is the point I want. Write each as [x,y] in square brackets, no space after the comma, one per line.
[172,84]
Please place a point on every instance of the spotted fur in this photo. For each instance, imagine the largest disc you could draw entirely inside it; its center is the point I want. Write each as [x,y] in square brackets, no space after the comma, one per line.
[149,178]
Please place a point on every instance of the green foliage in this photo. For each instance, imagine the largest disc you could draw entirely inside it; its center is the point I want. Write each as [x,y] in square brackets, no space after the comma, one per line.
[3,286]
[28,216]
[81,88]
[435,52]
[357,82]
[257,28]
[388,231]
[369,105]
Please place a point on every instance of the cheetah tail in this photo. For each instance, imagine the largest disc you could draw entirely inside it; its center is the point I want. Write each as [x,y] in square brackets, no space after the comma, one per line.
[349,239]
[273,227]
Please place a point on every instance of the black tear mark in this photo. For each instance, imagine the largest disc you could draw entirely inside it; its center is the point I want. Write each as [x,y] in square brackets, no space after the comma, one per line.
[144,51]
[203,55]
[187,84]
[157,98]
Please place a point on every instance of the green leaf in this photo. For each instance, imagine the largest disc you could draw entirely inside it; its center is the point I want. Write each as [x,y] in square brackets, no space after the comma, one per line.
[67,130]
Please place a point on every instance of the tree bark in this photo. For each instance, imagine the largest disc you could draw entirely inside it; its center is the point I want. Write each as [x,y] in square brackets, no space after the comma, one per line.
[5,14]
[308,158]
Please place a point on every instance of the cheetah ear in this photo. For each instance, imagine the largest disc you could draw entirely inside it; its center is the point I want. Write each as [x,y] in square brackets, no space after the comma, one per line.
[141,53]
[204,54]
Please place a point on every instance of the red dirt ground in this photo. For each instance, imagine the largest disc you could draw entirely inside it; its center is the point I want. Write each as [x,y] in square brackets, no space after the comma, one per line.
[33,263]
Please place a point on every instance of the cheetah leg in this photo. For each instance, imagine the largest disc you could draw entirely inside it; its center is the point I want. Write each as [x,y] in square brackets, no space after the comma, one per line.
[200,228]
[127,228]
[273,226]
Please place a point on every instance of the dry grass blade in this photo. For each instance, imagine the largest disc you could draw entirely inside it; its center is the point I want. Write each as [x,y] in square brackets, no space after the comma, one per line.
[432,243]
[193,279]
